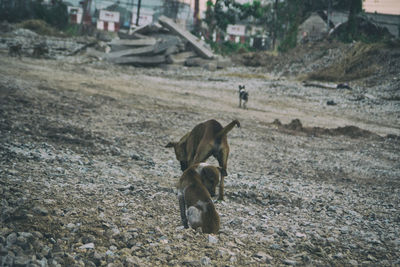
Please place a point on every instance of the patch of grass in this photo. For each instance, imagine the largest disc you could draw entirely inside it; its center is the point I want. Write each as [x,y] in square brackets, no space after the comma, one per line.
[229,48]
[72,30]
[359,62]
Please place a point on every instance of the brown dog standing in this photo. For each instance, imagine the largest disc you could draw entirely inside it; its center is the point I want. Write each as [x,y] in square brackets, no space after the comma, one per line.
[206,139]
[195,188]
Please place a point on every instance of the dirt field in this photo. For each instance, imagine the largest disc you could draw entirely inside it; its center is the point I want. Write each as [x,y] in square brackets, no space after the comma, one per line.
[86,180]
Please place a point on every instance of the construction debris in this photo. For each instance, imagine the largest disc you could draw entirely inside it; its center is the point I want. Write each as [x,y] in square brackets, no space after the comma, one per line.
[149,45]
[327,85]
[197,43]
[162,43]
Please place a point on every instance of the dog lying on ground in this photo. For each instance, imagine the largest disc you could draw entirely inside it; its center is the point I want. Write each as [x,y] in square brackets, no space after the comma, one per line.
[195,188]
[206,139]
[243,96]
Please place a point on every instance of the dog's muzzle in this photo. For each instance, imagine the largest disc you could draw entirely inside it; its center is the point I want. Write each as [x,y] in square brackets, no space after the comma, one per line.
[212,193]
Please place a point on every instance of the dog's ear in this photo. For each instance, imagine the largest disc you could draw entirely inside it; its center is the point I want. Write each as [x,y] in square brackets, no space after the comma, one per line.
[171,144]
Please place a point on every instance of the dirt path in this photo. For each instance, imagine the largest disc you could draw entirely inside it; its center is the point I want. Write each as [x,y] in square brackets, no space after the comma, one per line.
[86,179]
[270,99]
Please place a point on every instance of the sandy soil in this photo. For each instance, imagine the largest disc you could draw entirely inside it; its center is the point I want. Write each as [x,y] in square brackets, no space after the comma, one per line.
[86,180]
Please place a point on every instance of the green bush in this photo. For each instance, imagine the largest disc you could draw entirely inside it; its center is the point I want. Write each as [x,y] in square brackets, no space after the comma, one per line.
[290,41]
[228,47]
[72,30]
[40,27]
[55,14]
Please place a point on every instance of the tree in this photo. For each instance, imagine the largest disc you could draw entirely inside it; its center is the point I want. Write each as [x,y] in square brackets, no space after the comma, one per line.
[355,7]
[172,8]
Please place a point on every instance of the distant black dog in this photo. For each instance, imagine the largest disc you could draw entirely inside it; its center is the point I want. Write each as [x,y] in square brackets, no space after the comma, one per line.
[243,96]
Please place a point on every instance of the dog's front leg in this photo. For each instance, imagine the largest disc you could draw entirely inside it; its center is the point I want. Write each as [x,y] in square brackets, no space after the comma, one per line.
[182,208]
[240,102]
[221,188]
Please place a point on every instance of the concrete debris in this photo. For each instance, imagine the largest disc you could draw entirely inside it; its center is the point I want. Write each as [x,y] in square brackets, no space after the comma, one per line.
[155,41]
[198,44]
[150,45]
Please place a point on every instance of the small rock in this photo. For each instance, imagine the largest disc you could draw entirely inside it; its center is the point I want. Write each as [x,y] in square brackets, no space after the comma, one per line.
[46,252]
[8,260]
[22,242]
[344,229]
[40,210]
[90,264]
[338,256]
[263,256]
[135,156]
[353,262]
[109,253]
[212,239]
[70,226]
[300,235]
[275,246]
[289,262]
[87,246]
[205,261]
[21,261]
[11,239]
[88,239]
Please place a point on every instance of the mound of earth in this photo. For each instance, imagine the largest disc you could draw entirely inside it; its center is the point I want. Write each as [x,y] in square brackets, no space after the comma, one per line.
[296,127]
[369,65]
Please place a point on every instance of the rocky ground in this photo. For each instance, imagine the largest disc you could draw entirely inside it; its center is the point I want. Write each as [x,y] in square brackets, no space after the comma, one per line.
[86,180]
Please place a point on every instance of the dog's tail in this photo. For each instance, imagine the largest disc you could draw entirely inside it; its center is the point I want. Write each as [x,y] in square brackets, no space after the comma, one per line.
[228,128]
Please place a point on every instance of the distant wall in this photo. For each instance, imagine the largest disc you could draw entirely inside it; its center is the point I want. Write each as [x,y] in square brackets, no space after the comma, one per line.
[391,22]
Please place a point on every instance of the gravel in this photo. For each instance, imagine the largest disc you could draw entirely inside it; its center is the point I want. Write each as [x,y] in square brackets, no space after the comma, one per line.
[86,180]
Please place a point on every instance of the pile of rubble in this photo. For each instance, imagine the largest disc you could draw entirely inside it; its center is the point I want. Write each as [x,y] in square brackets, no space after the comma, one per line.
[24,42]
[154,44]
[162,43]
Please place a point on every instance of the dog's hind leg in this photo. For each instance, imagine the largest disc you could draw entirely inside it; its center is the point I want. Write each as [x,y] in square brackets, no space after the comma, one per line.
[182,207]
[223,161]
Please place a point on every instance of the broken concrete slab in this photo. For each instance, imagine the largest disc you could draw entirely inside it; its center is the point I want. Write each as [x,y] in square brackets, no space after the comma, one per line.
[148,28]
[133,51]
[196,62]
[165,43]
[197,43]
[180,58]
[134,42]
[139,60]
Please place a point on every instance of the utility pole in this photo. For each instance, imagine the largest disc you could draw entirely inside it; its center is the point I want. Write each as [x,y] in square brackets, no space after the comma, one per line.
[329,16]
[138,12]
[196,16]
[275,25]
